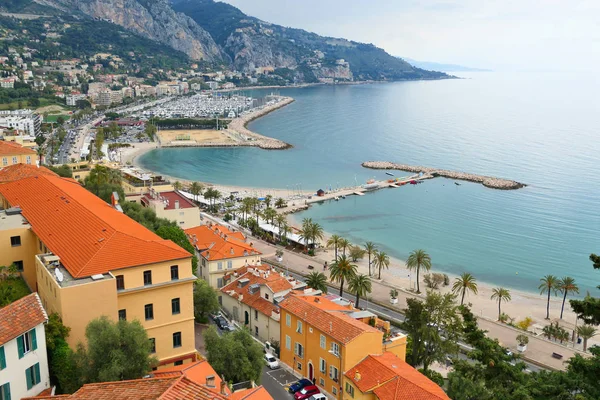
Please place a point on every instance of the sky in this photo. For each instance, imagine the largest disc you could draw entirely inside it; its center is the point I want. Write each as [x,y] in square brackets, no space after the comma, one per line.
[561,35]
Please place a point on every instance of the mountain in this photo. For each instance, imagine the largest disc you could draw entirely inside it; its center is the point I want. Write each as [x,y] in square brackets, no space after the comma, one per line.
[443,67]
[251,43]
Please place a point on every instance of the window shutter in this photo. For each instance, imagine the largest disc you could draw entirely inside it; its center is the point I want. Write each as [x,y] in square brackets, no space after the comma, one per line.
[21,346]
[2,358]
[29,378]
[38,377]
[6,391]
[33,339]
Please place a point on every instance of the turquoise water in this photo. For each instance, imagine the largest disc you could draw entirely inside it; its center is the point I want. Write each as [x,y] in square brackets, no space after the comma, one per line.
[540,129]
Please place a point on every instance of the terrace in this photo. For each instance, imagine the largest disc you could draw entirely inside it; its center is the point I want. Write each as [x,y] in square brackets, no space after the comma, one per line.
[61,276]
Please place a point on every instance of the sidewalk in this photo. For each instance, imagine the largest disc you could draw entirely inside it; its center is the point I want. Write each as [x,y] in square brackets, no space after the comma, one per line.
[539,351]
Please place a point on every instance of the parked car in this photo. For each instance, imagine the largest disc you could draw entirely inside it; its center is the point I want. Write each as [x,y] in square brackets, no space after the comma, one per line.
[271,361]
[294,387]
[221,322]
[215,316]
[306,392]
[318,396]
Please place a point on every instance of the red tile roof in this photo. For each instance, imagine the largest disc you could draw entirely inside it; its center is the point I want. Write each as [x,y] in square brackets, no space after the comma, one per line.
[19,171]
[391,378]
[218,243]
[257,393]
[335,323]
[13,149]
[170,198]
[21,316]
[196,372]
[88,235]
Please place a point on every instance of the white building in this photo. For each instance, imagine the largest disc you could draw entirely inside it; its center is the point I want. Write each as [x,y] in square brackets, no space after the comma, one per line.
[23,359]
[24,120]
[213,85]
[72,99]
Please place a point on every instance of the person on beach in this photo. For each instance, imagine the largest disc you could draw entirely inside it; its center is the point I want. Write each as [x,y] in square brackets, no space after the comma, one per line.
[325,266]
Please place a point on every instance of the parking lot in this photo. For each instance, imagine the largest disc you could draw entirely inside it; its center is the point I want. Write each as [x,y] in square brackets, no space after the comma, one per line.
[277,381]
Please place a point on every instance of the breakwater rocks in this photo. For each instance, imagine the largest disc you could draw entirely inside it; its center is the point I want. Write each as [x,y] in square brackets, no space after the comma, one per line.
[238,128]
[487,181]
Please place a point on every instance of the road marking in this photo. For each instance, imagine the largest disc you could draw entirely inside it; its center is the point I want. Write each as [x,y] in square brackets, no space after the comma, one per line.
[282,374]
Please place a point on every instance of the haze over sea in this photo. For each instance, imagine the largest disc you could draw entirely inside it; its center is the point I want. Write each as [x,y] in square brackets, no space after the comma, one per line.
[537,128]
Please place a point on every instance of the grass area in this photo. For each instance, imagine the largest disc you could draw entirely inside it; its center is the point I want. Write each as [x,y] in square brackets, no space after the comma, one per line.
[54,117]
[25,104]
[12,289]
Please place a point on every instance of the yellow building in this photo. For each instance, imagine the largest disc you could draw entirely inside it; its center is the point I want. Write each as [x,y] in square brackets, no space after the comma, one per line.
[221,251]
[19,137]
[13,153]
[172,205]
[86,259]
[321,340]
[81,170]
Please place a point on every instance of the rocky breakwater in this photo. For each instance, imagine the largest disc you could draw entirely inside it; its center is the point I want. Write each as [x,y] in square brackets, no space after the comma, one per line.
[487,181]
[237,127]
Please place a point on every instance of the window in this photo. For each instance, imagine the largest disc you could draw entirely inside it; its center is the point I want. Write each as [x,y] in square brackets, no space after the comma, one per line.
[5,391]
[123,315]
[26,343]
[32,375]
[333,373]
[152,345]
[177,339]
[175,307]
[220,265]
[288,342]
[15,241]
[149,312]
[147,278]
[176,363]
[322,366]
[174,272]
[299,326]
[203,262]
[256,331]
[4,161]
[28,160]
[15,161]
[350,389]
[299,350]
[229,264]
[288,319]
[321,382]
[299,366]
[334,390]
[267,296]
[323,342]
[335,349]
[256,315]
[120,282]
[2,358]
[19,265]
[219,282]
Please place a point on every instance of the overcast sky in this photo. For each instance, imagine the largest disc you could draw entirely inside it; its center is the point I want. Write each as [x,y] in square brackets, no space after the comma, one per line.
[497,34]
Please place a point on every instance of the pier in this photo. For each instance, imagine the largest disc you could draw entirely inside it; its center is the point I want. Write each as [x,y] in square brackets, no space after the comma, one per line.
[487,181]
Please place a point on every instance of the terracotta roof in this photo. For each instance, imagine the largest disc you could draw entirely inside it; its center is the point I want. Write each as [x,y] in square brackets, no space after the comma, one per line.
[196,372]
[257,393]
[336,324]
[254,300]
[21,316]
[88,235]
[170,197]
[218,243]
[391,378]
[13,149]
[19,171]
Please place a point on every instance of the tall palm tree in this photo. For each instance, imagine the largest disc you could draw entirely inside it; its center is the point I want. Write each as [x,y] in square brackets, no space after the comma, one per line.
[342,270]
[306,231]
[586,332]
[416,260]
[269,214]
[196,189]
[500,294]
[279,221]
[268,200]
[463,284]
[334,242]
[343,244]
[317,281]
[177,185]
[548,285]
[285,231]
[370,249]
[360,285]
[317,233]
[566,286]
[381,261]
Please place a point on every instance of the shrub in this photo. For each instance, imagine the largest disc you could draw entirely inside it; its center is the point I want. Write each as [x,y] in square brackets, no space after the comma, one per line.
[433,281]
[525,323]
[446,280]
[394,293]
[522,339]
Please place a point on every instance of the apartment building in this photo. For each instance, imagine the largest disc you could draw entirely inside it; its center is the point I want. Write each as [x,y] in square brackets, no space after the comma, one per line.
[221,251]
[12,153]
[24,120]
[173,206]
[86,259]
[23,358]
[388,377]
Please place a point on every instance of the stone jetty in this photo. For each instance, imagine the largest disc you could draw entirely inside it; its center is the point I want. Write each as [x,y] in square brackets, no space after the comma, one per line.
[487,181]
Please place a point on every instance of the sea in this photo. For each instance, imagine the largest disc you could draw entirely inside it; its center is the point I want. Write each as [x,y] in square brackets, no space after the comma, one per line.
[539,128]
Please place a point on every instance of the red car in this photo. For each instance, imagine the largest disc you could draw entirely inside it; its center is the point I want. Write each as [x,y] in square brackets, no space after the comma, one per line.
[306,392]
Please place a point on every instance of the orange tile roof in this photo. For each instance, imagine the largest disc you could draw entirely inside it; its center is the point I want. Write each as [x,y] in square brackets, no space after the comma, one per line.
[391,378]
[218,243]
[19,171]
[257,393]
[88,235]
[196,372]
[254,300]
[13,149]
[335,323]
[21,316]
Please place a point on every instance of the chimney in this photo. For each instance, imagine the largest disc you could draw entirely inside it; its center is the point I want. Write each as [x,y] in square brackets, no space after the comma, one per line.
[177,204]
[223,386]
[210,381]
[357,376]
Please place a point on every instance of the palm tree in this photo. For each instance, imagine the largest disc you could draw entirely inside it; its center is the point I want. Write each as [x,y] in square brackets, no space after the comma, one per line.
[196,189]
[586,332]
[342,270]
[566,285]
[317,281]
[177,185]
[285,231]
[416,260]
[306,231]
[500,294]
[381,260]
[548,285]
[316,232]
[360,285]
[343,244]
[268,200]
[280,220]
[463,284]
[245,208]
[280,203]
[270,215]
[334,242]
[370,249]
